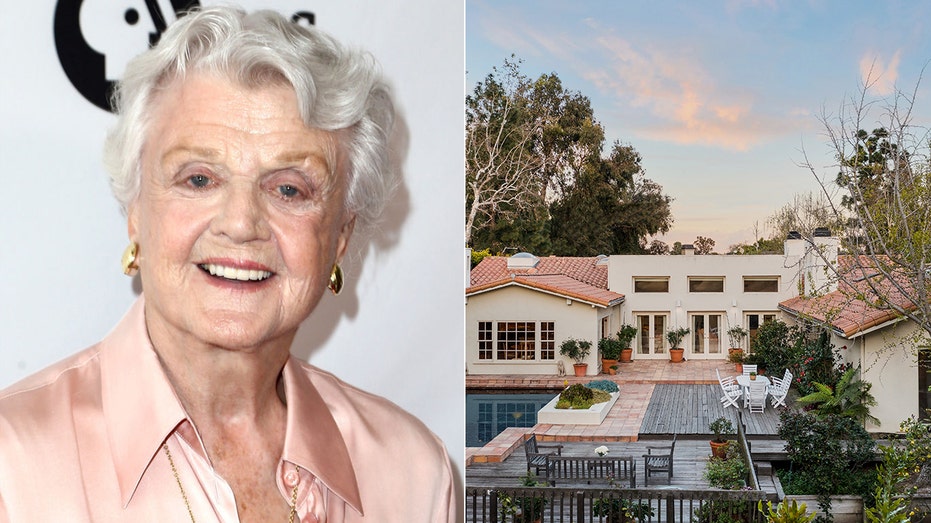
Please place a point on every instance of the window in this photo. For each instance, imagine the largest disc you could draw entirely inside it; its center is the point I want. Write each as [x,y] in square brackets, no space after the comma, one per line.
[706,284]
[650,336]
[547,340]
[651,284]
[761,284]
[754,320]
[706,333]
[485,341]
[517,340]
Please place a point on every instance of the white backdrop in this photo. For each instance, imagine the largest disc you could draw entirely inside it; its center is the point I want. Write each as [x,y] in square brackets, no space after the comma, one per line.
[397,328]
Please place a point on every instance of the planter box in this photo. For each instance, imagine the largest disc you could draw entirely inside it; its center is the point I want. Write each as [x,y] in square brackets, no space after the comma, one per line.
[846,509]
[593,415]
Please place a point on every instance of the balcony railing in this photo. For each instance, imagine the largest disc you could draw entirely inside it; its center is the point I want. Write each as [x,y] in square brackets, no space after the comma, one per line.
[575,505]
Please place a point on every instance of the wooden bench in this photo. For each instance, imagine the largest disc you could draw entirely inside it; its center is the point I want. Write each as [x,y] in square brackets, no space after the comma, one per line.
[537,459]
[603,469]
[658,460]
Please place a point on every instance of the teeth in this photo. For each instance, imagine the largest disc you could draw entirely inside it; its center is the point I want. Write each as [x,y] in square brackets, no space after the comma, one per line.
[232,273]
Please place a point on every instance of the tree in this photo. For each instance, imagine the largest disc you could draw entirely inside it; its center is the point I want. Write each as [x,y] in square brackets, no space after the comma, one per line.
[657,247]
[704,245]
[610,208]
[502,181]
[884,180]
[535,177]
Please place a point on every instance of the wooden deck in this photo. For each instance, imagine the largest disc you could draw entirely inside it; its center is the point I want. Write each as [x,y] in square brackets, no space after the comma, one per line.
[689,409]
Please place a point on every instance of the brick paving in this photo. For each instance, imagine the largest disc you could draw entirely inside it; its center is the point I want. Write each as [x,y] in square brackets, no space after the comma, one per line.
[635,380]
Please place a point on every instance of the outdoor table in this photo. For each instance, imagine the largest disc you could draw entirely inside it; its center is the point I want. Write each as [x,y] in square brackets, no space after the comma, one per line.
[744,381]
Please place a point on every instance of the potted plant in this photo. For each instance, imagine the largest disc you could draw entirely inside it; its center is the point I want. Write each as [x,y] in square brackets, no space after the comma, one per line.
[577,350]
[720,427]
[610,349]
[616,510]
[736,336]
[626,336]
[737,357]
[675,337]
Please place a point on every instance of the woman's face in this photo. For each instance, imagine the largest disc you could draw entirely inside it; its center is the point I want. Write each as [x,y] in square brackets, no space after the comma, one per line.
[240,215]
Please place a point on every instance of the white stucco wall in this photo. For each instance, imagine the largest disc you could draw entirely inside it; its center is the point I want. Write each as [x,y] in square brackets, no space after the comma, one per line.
[890,363]
[679,303]
[573,319]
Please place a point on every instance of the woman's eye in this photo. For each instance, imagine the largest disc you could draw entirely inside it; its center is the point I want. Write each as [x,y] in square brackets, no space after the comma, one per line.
[288,191]
[199,180]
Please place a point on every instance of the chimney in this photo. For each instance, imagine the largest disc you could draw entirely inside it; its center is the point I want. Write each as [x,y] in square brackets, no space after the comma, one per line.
[688,249]
[794,244]
[819,262]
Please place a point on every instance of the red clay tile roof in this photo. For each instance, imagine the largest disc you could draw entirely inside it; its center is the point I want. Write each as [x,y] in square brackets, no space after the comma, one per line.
[854,307]
[578,278]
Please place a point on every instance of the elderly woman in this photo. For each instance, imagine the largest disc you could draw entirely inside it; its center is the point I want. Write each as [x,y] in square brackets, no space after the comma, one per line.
[246,151]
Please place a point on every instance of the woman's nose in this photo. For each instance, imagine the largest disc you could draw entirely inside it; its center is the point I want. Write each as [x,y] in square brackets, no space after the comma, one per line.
[241,215]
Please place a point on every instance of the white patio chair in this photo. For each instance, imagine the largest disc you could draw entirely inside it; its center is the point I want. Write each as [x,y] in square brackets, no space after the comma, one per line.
[732,392]
[778,391]
[756,396]
[748,369]
[787,377]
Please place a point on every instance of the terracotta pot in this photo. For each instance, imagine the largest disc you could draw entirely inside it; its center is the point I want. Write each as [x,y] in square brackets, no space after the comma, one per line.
[580,369]
[627,355]
[675,355]
[718,450]
[606,366]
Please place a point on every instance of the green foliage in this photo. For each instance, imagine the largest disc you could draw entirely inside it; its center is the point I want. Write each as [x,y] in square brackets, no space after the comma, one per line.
[850,397]
[725,511]
[575,349]
[736,335]
[675,336]
[616,510]
[720,427]
[729,473]
[828,455]
[626,335]
[786,512]
[610,348]
[605,385]
[478,256]
[523,508]
[890,505]
[578,396]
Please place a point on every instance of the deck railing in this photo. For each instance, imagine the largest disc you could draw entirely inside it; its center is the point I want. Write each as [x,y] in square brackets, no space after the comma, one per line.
[575,505]
[744,448]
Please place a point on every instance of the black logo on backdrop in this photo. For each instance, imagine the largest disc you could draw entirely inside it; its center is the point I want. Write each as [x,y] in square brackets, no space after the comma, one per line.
[95,38]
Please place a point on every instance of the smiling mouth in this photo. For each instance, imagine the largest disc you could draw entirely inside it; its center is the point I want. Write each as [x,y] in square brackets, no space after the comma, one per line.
[232,273]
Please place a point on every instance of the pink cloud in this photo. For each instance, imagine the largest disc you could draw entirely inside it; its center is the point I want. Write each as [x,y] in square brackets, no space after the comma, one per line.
[878,76]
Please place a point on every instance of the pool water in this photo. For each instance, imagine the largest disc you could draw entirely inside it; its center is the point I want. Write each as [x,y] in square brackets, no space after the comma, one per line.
[488,414]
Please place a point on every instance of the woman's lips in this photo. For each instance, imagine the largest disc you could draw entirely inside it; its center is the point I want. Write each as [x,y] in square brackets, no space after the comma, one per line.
[235,273]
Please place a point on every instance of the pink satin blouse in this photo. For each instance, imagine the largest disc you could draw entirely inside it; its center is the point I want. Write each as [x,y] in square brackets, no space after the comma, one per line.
[82,441]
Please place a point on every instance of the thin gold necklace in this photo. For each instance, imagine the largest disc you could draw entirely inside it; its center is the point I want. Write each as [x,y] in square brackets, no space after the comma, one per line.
[187,504]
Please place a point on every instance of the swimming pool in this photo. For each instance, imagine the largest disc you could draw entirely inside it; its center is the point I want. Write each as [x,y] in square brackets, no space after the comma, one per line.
[487,413]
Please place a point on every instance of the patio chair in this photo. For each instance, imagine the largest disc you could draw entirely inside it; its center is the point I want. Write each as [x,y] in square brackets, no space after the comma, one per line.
[535,458]
[787,377]
[778,391]
[659,460]
[756,396]
[731,391]
[749,369]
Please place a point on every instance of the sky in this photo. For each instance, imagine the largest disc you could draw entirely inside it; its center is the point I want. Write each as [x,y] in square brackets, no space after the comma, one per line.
[724,100]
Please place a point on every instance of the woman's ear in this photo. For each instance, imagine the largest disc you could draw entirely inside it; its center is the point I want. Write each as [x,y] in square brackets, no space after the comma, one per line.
[342,243]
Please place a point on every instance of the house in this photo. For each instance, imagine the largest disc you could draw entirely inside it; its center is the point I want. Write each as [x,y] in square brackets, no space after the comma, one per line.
[520,308]
[877,339]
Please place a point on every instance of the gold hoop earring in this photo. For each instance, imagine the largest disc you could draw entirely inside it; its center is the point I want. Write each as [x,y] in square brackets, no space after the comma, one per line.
[130,268]
[336,280]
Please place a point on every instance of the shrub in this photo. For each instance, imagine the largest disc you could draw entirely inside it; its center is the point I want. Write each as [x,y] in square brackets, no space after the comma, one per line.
[730,473]
[575,349]
[610,348]
[579,396]
[725,511]
[605,385]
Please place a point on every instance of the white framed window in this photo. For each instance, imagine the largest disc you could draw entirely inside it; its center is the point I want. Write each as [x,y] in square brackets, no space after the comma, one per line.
[651,284]
[485,340]
[706,283]
[651,332]
[761,283]
[547,340]
[706,332]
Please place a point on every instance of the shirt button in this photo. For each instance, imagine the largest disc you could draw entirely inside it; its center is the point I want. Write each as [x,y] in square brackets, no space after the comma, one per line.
[291,478]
